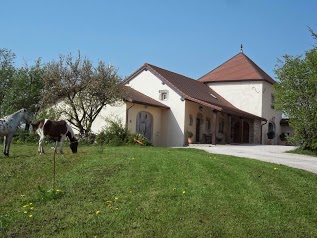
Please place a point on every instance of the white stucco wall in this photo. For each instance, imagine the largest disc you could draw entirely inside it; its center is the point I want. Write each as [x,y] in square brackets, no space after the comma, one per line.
[270,114]
[172,129]
[253,97]
[246,96]
[116,111]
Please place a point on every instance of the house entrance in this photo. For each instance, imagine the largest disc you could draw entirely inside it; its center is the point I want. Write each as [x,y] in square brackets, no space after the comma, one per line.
[246,132]
[236,133]
[144,124]
[237,130]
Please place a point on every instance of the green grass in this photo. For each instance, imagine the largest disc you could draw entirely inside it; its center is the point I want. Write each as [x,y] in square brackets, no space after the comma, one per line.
[152,192]
[303,152]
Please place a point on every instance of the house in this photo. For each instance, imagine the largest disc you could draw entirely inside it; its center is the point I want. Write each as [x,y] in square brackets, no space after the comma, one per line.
[231,104]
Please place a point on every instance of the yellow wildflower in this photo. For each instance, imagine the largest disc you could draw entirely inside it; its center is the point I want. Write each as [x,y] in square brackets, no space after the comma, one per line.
[25,212]
[30,216]
[97,212]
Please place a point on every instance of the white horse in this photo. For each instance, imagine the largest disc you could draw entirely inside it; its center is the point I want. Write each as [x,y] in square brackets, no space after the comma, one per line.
[9,124]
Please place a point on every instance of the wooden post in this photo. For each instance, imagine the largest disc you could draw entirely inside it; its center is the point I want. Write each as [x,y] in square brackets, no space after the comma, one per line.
[241,121]
[225,129]
[54,181]
[214,125]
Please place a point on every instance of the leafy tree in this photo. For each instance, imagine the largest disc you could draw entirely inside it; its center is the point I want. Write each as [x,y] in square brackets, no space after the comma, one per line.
[296,95]
[6,72]
[80,90]
[25,89]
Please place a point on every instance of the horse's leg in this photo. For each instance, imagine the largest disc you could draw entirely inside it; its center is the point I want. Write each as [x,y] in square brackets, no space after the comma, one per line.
[41,149]
[61,144]
[8,140]
[5,145]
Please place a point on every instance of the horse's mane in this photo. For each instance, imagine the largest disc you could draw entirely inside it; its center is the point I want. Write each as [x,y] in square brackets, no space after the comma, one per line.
[72,136]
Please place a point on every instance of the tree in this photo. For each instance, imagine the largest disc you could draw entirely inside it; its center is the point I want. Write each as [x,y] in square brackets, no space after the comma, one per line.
[296,95]
[25,89]
[6,72]
[80,90]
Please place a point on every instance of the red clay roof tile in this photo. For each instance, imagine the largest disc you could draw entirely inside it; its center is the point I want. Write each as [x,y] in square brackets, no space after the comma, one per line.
[238,68]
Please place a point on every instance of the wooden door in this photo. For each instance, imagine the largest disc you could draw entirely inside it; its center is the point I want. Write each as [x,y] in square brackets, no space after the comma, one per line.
[144,124]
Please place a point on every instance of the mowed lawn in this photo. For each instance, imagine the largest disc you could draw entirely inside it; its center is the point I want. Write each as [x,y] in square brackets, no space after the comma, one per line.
[152,192]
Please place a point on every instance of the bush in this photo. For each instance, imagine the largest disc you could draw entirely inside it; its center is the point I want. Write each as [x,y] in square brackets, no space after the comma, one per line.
[22,136]
[115,134]
[101,138]
[87,140]
[283,137]
[136,138]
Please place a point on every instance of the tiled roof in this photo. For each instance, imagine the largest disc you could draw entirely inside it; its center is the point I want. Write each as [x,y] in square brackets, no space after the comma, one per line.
[134,96]
[192,90]
[238,68]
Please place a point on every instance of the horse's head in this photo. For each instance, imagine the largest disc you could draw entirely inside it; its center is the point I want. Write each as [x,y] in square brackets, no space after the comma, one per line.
[26,115]
[73,145]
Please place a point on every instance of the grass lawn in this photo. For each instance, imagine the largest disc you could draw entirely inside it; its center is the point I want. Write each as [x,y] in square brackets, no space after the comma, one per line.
[303,152]
[152,192]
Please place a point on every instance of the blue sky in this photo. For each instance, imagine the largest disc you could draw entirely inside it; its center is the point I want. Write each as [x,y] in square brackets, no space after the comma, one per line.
[187,37]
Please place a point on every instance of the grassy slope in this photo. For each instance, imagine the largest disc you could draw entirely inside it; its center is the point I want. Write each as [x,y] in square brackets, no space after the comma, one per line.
[153,192]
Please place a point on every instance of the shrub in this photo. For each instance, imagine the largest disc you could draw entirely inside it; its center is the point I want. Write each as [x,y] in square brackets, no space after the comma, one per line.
[22,135]
[87,139]
[115,134]
[141,138]
[283,137]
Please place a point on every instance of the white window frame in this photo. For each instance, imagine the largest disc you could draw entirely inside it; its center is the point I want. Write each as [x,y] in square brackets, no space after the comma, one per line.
[163,95]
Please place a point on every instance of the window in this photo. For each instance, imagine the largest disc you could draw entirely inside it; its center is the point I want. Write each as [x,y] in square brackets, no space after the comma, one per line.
[163,95]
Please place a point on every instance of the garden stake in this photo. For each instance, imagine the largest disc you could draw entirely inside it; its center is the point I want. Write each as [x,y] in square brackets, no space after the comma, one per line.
[54,166]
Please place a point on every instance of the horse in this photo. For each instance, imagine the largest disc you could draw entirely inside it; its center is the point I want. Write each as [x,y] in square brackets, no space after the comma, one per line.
[9,124]
[57,131]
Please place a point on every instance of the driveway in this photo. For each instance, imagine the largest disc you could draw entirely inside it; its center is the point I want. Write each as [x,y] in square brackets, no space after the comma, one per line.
[268,153]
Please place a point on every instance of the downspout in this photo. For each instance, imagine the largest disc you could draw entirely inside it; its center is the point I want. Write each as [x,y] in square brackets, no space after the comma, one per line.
[127,116]
[262,131]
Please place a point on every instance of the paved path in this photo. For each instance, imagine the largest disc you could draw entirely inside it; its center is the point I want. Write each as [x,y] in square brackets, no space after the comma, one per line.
[268,153]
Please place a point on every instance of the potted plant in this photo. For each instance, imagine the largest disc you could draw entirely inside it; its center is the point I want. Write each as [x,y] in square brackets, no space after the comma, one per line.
[189,137]
[270,136]
[283,138]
